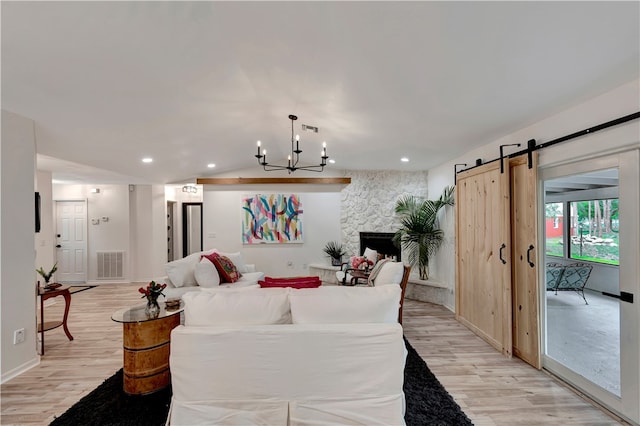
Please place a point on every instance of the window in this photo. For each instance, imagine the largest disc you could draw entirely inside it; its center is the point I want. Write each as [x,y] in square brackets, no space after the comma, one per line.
[594,231]
[554,229]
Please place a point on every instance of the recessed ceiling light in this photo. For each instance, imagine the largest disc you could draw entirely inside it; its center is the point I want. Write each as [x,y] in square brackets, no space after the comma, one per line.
[332,161]
[211,165]
[404,159]
[147,160]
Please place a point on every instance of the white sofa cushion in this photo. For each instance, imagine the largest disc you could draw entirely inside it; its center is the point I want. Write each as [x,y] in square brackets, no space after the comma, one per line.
[181,272]
[250,279]
[345,305]
[318,374]
[206,273]
[237,307]
[390,273]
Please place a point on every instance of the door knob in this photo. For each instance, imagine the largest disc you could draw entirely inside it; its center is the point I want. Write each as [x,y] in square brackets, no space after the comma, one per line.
[58,246]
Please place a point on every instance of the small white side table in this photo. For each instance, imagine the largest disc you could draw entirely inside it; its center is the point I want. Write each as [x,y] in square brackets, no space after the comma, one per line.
[327,273]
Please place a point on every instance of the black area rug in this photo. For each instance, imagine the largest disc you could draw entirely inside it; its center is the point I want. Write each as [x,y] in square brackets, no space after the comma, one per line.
[428,403]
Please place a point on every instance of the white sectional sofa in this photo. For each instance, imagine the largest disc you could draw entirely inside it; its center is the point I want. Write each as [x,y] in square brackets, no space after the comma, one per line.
[192,273]
[323,356]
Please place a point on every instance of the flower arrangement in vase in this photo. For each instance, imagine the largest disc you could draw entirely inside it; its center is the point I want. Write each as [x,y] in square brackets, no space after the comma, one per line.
[361,262]
[152,292]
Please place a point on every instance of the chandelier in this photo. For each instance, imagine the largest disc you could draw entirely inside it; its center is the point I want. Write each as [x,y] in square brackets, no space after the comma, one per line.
[294,157]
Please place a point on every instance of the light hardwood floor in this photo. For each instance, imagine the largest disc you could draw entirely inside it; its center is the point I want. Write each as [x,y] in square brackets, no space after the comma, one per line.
[490,388]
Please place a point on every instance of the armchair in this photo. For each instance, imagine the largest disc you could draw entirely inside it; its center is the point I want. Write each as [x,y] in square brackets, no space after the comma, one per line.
[391,273]
[573,276]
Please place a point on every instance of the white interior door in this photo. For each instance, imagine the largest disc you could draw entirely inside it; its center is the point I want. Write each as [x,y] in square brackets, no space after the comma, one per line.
[594,345]
[71,241]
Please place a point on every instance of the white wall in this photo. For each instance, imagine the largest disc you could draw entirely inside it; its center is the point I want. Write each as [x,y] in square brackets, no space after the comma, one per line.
[148,237]
[321,221]
[611,105]
[223,226]
[113,202]
[17,235]
[45,239]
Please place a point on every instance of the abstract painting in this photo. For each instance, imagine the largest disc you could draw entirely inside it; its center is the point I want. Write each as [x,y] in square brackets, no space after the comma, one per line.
[271,219]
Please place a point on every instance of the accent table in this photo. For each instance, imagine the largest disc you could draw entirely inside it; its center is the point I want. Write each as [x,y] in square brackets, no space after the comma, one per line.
[327,273]
[50,325]
[146,343]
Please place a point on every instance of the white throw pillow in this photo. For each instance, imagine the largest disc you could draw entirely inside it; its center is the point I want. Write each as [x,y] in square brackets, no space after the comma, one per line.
[237,260]
[345,305]
[262,306]
[181,271]
[371,255]
[206,273]
[391,273]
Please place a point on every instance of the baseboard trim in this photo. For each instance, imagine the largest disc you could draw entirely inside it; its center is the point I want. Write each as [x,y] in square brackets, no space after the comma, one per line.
[20,369]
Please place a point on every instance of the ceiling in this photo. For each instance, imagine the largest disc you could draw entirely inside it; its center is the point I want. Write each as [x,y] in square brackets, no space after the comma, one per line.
[108,83]
[582,183]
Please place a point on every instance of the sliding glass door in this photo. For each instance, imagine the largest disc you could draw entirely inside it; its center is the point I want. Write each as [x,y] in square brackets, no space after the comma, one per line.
[591,232]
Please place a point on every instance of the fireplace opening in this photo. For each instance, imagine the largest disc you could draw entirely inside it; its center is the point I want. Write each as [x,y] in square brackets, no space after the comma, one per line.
[382,242]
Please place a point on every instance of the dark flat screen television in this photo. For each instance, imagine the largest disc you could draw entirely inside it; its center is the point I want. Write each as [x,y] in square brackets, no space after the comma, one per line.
[37,212]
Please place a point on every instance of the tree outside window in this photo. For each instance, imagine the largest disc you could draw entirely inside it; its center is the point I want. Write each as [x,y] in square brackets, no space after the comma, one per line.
[594,231]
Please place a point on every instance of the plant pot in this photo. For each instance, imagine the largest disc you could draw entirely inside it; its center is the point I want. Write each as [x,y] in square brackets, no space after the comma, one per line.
[423,270]
[336,261]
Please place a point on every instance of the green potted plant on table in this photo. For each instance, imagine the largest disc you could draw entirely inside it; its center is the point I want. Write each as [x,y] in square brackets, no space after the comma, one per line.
[335,251]
[419,234]
[47,275]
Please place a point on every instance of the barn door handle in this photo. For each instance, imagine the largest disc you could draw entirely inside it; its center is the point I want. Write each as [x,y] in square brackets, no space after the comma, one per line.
[528,254]
[502,247]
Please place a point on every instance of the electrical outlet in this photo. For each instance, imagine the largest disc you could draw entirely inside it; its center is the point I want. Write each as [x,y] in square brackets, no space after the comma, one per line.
[18,336]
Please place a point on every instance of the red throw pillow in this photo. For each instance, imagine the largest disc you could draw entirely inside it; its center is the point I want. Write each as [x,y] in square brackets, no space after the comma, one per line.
[226,269]
[293,282]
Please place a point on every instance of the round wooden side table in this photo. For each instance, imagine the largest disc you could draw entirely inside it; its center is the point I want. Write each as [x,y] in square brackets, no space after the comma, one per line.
[146,342]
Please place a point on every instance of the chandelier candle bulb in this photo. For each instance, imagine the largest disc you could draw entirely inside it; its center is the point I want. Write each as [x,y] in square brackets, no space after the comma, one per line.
[258,148]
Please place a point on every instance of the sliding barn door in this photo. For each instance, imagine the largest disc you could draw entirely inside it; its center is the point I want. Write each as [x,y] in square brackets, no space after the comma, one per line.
[524,280]
[483,245]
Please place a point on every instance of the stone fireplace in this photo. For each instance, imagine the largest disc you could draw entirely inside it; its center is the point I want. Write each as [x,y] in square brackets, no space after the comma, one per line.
[381,242]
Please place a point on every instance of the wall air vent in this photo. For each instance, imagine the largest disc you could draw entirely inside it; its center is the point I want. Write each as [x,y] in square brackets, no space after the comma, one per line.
[110,265]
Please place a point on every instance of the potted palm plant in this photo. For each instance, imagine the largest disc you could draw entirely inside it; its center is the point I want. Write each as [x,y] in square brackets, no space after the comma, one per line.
[419,235]
[335,251]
